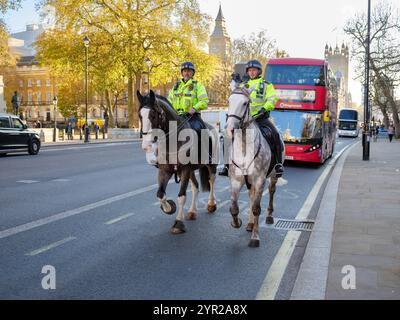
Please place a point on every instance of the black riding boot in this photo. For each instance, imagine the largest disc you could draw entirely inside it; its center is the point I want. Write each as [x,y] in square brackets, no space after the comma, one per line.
[277,146]
[278,154]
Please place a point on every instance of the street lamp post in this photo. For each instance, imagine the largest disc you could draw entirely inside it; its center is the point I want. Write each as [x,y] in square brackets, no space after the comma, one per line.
[55,100]
[86,42]
[116,111]
[148,64]
[366,138]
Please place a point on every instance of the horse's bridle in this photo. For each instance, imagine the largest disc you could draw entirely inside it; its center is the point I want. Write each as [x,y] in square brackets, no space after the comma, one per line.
[181,126]
[141,122]
[246,111]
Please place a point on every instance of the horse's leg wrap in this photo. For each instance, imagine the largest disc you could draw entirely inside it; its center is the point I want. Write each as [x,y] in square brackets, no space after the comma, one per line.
[165,206]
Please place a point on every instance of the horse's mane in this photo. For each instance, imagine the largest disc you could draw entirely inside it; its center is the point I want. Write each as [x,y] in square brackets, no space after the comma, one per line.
[168,108]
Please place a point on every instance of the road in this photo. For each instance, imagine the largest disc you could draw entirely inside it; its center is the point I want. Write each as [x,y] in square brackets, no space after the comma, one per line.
[91,212]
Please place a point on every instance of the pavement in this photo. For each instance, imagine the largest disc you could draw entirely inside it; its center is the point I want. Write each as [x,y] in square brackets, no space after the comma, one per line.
[354,248]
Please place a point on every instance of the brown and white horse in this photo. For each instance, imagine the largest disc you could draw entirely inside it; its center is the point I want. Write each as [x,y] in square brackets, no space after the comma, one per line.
[156,113]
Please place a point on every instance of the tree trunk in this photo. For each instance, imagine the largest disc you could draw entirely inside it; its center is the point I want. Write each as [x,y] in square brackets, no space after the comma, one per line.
[395,117]
[109,109]
[131,111]
[385,117]
[138,82]
[384,86]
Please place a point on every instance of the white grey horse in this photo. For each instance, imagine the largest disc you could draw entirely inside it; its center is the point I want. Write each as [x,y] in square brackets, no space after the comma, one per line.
[250,163]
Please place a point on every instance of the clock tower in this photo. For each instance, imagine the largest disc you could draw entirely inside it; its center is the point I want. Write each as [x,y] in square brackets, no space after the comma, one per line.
[220,42]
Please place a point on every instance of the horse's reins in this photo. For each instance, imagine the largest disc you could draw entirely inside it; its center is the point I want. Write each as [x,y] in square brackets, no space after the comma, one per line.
[182,125]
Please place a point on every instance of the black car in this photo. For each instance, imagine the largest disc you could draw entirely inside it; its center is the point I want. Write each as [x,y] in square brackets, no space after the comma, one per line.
[16,137]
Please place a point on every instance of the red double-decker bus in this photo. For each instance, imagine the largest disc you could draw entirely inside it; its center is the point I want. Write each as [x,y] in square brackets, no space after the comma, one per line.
[306,111]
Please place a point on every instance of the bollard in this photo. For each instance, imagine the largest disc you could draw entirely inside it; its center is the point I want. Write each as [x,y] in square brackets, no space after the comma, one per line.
[42,138]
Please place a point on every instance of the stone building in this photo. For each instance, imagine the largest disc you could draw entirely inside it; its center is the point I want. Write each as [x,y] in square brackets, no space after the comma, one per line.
[220,45]
[36,87]
[338,60]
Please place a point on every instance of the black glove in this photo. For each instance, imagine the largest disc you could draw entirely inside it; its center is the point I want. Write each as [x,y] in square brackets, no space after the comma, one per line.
[236,77]
[263,113]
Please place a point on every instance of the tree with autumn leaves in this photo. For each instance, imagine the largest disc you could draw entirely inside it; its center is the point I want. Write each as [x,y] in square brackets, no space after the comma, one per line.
[123,33]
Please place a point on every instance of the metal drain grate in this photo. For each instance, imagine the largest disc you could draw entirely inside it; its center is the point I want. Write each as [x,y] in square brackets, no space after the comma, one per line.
[304,225]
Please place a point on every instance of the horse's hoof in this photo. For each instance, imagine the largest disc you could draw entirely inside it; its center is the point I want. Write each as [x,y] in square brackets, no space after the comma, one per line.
[178,228]
[191,216]
[236,225]
[173,207]
[269,220]
[249,227]
[254,243]
[211,208]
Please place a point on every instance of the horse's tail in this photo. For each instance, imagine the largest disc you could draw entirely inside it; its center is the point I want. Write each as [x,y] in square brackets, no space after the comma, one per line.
[205,179]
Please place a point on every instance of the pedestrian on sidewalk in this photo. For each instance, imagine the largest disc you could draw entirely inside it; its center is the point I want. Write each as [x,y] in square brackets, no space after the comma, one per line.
[390,132]
[68,130]
[15,102]
[96,130]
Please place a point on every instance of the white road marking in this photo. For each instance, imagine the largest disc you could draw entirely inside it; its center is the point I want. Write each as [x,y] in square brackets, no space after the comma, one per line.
[60,180]
[86,147]
[49,247]
[223,204]
[27,181]
[69,213]
[119,218]
[222,189]
[276,271]
[273,279]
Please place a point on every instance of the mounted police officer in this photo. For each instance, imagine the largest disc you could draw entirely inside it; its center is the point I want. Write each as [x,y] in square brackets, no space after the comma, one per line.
[263,100]
[189,97]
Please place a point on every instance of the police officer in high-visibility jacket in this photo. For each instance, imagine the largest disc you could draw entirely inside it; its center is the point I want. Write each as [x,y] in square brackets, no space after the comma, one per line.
[189,97]
[263,100]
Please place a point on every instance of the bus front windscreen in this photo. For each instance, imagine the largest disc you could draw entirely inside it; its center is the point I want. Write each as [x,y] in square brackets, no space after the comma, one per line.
[298,126]
[296,75]
[347,125]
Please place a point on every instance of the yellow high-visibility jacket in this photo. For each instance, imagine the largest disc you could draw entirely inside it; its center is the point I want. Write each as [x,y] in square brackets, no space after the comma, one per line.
[185,96]
[263,95]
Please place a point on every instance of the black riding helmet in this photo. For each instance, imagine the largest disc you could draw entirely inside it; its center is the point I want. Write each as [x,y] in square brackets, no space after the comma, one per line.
[254,64]
[188,65]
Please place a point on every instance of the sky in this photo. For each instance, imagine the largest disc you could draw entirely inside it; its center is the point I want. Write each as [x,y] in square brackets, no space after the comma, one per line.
[302,28]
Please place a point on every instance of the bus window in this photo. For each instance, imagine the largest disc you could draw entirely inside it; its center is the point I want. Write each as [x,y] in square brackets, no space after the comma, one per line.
[296,75]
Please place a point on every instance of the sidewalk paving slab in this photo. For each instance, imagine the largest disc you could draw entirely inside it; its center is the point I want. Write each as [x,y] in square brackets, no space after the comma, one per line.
[365,231]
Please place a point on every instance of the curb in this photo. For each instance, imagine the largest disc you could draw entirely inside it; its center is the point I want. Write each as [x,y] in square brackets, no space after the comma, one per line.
[81,143]
[312,277]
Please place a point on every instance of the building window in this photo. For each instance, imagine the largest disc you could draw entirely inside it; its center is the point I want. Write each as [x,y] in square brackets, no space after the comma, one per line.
[30,83]
[21,83]
[39,98]
[30,95]
[47,82]
[38,82]
[48,97]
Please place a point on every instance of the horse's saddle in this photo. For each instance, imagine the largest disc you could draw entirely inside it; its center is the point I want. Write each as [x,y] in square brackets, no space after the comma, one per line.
[197,124]
[269,135]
